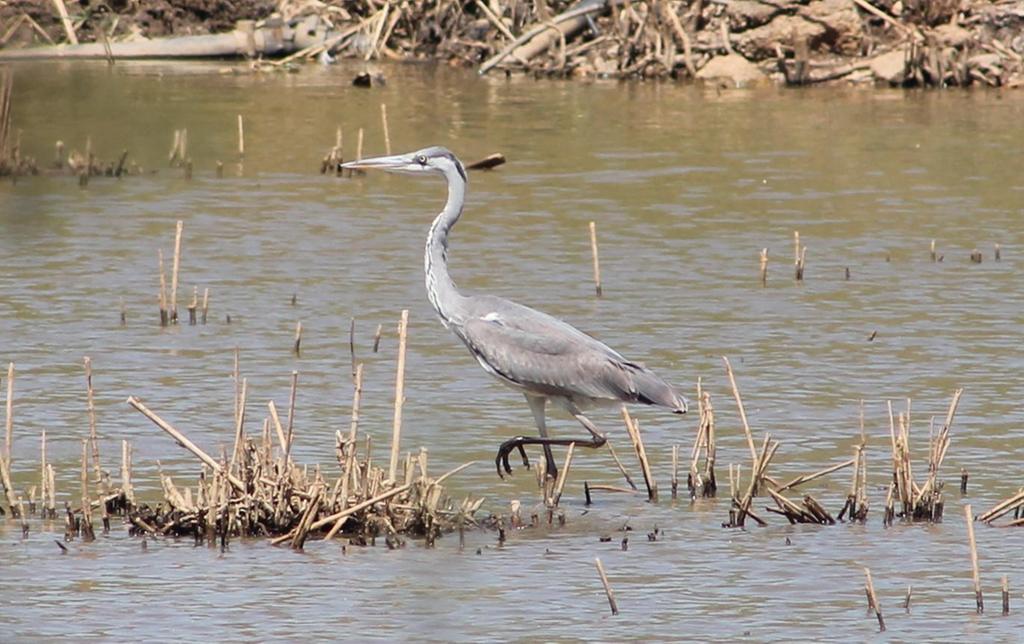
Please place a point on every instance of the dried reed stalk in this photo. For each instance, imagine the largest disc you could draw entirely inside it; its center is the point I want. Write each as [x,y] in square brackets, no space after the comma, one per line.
[352,344]
[975,570]
[633,427]
[126,473]
[239,428]
[618,464]
[396,428]
[186,443]
[241,137]
[174,270]
[804,478]
[596,259]
[376,338]
[44,481]
[703,481]
[757,476]
[739,405]
[93,440]
[193,306]
[562,476]
[607,588]
[164,314]
[675,471]
[1005,586]
[799,256]
[869,589]
[291,416]
[6,458]
[86,526]
[919,502]
[282,441]
[384,123]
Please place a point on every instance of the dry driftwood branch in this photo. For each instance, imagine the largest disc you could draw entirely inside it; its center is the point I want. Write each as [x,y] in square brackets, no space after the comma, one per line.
[522,47]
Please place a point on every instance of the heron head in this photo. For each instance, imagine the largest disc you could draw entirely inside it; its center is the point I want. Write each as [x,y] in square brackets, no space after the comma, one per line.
[435,160]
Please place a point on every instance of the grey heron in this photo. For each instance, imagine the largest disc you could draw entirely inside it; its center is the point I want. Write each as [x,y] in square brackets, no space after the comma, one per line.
[541,356]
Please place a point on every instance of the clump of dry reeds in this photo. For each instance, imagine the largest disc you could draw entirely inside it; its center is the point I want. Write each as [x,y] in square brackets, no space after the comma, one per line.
[258,490]
[701,479]
[917,502]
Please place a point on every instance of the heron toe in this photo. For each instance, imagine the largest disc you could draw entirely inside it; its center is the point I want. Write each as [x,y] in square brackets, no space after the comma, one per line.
[501,460]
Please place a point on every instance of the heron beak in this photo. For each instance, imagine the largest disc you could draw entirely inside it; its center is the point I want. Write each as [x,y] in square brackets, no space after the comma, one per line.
[397,162]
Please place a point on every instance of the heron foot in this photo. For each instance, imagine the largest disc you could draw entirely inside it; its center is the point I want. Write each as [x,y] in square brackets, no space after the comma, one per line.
[501,460]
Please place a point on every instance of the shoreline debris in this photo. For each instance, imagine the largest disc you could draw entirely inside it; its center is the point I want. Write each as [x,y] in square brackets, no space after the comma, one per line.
[721,44]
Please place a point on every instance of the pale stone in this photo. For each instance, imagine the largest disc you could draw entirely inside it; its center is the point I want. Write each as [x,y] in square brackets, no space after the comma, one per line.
[891,67]
[734,70]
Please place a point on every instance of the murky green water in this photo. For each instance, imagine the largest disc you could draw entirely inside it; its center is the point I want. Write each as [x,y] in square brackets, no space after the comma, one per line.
[686,187]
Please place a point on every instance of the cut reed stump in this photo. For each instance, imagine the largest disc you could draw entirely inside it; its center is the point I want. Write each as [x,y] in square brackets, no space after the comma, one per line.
[799,256]
[869,590]
[1005,585]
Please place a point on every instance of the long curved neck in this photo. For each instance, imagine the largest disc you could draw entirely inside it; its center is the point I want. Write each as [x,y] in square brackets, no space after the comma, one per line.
[441,289]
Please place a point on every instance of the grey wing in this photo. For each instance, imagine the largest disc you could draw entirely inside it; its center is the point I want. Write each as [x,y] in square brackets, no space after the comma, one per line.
[545,355]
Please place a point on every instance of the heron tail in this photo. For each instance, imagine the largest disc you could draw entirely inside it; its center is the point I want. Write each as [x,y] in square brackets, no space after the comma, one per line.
[650,389]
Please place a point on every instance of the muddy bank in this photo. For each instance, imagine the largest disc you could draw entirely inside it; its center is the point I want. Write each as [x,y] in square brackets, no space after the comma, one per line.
[740,42]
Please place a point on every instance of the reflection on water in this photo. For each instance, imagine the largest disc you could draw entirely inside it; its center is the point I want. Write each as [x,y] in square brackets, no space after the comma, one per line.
[686,187]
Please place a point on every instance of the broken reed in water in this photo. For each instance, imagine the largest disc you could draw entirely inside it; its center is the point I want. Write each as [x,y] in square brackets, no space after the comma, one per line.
[869,590]
[633,427]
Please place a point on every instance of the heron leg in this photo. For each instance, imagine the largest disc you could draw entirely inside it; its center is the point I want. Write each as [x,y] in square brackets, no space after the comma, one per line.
[537,406]
[597,439]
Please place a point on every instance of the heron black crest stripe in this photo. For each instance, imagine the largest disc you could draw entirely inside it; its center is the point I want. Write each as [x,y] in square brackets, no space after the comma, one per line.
[458,166]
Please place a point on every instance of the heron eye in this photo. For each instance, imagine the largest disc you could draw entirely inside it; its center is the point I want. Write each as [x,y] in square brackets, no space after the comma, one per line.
[422,160]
